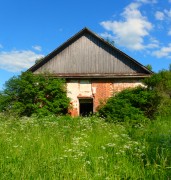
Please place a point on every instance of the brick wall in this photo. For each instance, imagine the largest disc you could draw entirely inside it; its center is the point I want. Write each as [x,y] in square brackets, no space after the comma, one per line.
[104,90]
[98,89]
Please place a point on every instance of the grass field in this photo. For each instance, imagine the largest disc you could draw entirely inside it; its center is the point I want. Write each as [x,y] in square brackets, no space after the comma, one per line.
[83,148]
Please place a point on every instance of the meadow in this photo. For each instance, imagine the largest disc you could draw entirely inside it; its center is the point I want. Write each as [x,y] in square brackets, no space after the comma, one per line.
[84,148]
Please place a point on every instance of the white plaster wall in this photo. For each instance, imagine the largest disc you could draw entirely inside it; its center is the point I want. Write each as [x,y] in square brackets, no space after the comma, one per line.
[85,88]
[75,88]
[73,91]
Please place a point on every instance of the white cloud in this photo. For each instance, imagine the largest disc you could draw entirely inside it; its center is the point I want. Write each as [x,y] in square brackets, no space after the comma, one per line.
[147,1]
[106,35]
[15,61]
[131,31]
[169,1]
[159,15]
[168,12]
[154,43]
[37,48]
[1,46]
[169,33]
[164,52]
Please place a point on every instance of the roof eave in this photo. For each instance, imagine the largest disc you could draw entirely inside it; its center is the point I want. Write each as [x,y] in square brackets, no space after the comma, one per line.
[115,76]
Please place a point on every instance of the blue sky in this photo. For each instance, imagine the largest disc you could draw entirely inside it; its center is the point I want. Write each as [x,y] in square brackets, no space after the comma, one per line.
[31,29]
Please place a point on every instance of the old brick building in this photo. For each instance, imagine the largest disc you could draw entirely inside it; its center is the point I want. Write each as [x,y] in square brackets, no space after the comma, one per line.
[93,70]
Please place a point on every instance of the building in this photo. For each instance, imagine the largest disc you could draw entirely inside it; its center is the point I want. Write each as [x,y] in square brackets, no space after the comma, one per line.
[93,69]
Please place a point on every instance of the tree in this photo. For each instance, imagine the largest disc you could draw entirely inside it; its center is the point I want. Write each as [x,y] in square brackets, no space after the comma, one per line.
[110,41]
[29,94]
[149,67]
[38,60]
[161,83]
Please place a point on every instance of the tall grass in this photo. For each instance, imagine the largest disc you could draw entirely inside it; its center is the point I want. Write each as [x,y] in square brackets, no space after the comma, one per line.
[83,148]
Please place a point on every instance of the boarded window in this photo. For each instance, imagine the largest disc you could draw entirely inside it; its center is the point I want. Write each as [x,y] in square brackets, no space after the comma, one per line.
[85,86]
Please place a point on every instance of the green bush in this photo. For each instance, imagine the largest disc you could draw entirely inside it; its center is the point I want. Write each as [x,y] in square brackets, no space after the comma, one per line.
[118,110]
[135,104]
[30,94]
[144,99]
[161,83]
[150,101]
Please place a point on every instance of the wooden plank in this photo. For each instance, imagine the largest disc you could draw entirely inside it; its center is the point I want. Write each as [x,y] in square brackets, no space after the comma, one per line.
[90,55]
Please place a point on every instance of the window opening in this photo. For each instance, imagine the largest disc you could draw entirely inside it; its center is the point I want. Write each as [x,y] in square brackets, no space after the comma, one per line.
[86,107]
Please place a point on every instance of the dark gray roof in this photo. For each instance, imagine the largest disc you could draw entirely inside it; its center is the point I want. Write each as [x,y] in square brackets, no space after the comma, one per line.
[88,55]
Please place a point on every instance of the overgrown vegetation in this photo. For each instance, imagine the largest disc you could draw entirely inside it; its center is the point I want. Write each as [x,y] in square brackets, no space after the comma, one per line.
[30,94]
[141,103]
[135,104]
[83,148]
[161,83]
[56,147]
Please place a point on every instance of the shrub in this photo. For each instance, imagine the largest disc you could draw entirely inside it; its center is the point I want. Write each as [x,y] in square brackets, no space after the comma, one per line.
[146,100]
[30,94]
[118,110]
[131,104]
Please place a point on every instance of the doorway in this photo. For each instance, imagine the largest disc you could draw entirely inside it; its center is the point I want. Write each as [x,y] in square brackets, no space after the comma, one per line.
[86,107]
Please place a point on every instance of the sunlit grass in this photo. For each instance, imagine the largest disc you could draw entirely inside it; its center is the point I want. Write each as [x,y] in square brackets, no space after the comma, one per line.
[82,148]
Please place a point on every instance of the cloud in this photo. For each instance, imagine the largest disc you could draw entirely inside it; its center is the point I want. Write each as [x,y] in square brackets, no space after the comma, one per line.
[1,46]
[147,1]
[168,12]
[106,35]
[37,48]
[15,61]
[169,33]
[159,15]
[164,52]
[131,31]
[154,43]
[169,1]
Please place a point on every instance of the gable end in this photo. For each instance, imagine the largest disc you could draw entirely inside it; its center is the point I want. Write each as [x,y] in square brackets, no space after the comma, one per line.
[88,55]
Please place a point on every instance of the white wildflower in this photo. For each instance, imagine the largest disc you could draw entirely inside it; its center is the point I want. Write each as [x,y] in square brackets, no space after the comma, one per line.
[103,147]
[111,144]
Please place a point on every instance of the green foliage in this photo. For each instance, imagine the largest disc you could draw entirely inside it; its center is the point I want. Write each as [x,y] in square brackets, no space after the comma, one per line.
[118,110]
[156,135]
[30,94]
[161,83]
[110,41]
[83,148]
[38,60]
[149,67]
[135,104]
[164,86]
[153,81]
[142,102]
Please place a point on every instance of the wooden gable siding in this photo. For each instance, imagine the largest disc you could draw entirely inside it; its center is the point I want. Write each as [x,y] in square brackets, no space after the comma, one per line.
[89,55]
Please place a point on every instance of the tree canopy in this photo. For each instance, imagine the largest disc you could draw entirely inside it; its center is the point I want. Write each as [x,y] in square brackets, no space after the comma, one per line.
[29,94]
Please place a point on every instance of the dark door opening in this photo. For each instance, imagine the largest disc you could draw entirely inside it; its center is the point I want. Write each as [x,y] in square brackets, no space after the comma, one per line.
[86,107]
